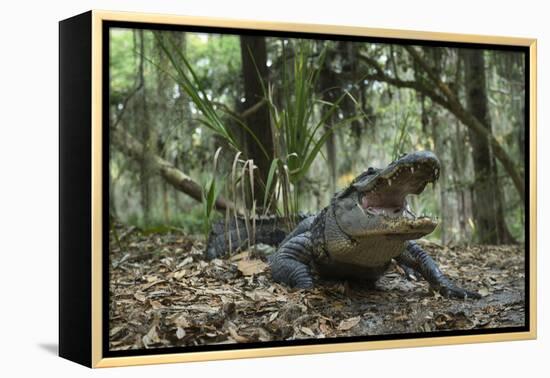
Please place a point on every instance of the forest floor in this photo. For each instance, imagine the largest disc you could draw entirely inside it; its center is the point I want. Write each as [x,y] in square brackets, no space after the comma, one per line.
[163,294]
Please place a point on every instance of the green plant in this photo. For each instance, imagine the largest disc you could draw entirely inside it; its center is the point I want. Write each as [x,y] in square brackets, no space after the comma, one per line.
[401,137]
[209,194]
[298,125]
[189,81]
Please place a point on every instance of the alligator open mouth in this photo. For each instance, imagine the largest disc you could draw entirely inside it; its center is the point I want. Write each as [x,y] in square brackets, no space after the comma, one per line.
[384,193]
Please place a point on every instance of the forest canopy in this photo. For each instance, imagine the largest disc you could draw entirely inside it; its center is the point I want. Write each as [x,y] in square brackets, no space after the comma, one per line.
[205,124]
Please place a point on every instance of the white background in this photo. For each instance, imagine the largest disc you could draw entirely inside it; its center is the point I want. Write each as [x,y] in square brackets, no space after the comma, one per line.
[29,189]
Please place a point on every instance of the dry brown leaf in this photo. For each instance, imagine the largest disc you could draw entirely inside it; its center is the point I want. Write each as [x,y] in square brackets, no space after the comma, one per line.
[442,319]
[217,262]
[273,316]
[307,331]
[151,337]
[115,330]
[151,284]
[347,324]
[188,260]
[156,305]
[325,328]
[257,295]
[238,338]
[140,296]
[180,274]
[250,267]
[180,333]
[240,256]
[401,317]
[263,335]
[150,278]
[204,308]
[182,322]
[484,292]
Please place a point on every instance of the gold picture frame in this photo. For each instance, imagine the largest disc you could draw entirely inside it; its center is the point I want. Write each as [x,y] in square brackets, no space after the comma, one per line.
[91,24]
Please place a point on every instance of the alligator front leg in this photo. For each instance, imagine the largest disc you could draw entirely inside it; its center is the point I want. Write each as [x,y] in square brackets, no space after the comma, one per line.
[290,264]
[415,258]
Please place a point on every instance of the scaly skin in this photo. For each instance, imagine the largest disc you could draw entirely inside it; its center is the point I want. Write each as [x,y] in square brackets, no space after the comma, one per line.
[365,226]
[224,240]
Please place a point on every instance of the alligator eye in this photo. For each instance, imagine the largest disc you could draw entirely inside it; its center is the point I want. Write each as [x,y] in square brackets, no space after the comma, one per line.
[370,171]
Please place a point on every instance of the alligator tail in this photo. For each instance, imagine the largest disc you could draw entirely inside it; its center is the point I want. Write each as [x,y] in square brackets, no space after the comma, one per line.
[226,239]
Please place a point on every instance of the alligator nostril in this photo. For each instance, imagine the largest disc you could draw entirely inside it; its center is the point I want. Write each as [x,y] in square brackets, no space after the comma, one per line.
[396,210]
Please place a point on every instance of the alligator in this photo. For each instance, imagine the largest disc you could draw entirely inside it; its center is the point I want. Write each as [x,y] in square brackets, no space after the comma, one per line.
[366,226]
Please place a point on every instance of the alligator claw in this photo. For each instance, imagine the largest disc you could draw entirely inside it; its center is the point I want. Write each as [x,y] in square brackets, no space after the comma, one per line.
[409,273]
[457,292]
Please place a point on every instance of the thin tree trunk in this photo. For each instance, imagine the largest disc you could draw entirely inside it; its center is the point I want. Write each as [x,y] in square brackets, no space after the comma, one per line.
[165,205]
[145,137]
[459,166]
[430,116]
[328,87]
[348,53]
[254,68]
[458,159]
[162,99]
[488,211]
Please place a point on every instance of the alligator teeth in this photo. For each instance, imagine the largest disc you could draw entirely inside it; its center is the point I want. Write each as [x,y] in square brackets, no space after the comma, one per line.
[389,182]
[408,210]
[363,210]
[412,169]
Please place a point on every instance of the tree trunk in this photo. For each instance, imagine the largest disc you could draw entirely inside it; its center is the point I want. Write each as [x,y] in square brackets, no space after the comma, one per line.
[254,58]
[348,54]
[164,94]
[144,124]
[459,165]
[328,87]
[430,117]
[488,210]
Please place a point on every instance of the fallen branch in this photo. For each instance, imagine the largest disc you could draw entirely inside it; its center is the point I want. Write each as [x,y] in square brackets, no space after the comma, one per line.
[178,179]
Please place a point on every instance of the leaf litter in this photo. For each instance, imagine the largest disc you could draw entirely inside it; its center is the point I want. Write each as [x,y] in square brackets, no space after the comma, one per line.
[164,294]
